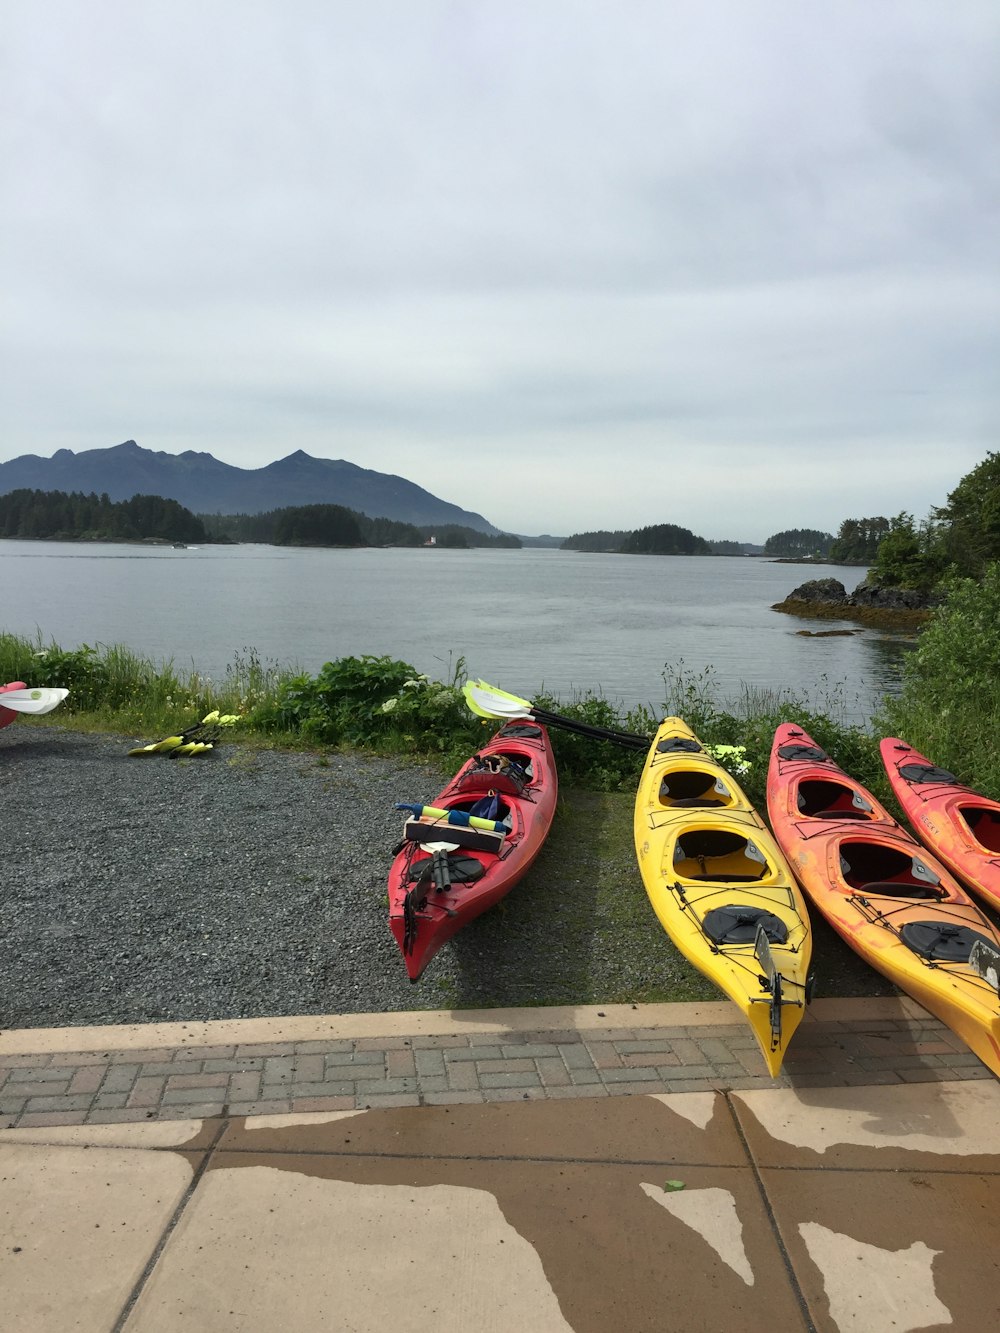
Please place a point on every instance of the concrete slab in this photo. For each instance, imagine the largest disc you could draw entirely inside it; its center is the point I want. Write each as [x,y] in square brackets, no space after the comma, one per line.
[667,1129]
[841,1196]
[889,1252]
[192,1135]
[297,1240]
[940,1126]
[78,1226]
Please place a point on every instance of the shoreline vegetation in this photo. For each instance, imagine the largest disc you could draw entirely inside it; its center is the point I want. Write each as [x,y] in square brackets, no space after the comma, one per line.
[948,706]
[586,887]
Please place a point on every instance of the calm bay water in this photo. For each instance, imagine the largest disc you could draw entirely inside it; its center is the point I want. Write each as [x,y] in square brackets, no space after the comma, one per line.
[522,619]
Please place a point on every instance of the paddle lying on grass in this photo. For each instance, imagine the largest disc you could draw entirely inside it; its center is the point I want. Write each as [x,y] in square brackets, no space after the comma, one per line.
[37,701]
[488,701]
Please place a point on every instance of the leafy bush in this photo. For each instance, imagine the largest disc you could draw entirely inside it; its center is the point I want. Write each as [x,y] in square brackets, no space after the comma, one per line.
[949,706]
[80,670]
[372,701]
[386,705]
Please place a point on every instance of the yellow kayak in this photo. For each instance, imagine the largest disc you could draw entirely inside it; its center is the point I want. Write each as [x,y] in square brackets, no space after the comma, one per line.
[721,888]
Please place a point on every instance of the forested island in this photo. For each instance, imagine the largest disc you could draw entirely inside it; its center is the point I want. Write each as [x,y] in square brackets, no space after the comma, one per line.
[660,539]
[957,539]
[31,515]
[58,516]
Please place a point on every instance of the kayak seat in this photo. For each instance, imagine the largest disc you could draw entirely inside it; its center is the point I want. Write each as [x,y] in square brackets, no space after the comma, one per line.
[724,877]
[696,789]
[872,867]
[823,799]
[984,825]
[717,855]
[896,888]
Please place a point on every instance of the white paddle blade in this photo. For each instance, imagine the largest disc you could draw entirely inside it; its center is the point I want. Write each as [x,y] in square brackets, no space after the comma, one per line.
[472,705]
[32,701]
[498,693]
[487,704]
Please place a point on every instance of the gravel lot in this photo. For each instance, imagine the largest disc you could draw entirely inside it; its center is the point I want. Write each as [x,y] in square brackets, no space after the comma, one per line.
[248,883]
[237,884]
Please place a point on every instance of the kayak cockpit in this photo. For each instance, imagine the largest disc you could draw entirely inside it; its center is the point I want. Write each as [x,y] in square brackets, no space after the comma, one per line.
[825,798]
[507,771]
[882,871]
[484,807]
[718,856]
[983,822]
[695,788]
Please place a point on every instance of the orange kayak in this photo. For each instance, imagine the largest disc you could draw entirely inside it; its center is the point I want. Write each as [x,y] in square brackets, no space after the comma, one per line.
[959,826]
[891,901]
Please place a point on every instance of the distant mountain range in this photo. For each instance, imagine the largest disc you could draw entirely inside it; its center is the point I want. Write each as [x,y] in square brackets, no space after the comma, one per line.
[206,486]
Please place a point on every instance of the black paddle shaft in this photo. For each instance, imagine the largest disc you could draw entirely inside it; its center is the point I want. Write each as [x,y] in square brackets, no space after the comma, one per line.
[629,740]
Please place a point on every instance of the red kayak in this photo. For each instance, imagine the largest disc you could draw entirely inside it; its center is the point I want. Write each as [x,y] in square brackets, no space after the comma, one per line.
[7,715]
[958,825]
[447,874]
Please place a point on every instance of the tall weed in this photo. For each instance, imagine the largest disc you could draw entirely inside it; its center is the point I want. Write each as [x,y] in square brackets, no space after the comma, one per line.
[386,705]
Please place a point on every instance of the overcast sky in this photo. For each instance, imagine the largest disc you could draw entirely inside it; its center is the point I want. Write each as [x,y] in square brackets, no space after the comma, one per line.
[731,264]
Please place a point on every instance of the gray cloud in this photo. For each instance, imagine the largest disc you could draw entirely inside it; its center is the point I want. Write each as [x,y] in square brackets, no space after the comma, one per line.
[722,264]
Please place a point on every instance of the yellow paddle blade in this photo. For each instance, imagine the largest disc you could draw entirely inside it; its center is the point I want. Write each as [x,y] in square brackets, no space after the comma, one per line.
[144,749]
[227,719]
[210,717]
[188,748]
[167,744]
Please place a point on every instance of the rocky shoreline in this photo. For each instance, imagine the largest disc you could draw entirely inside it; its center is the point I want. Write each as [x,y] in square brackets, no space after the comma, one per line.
[901,609]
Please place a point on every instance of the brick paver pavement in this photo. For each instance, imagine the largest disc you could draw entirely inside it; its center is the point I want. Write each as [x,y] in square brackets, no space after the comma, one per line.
[840,1043]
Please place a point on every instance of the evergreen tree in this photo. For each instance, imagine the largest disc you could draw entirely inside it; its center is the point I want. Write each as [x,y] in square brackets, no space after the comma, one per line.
[857,541]
[665,539]
[798,543]
[971,519]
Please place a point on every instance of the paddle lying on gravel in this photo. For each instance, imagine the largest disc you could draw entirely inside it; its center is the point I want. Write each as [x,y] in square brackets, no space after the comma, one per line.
[488,701]
[195,740]
[37,701]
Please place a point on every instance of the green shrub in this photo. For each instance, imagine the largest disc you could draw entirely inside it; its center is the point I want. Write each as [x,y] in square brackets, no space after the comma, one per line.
[386,705]
[949,706]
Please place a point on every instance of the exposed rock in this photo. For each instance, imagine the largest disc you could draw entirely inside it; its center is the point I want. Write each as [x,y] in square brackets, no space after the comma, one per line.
[891,599]
[900,609]
[819,590]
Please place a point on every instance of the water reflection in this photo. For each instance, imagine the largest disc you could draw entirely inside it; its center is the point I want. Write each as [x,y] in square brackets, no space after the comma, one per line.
[529,620]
